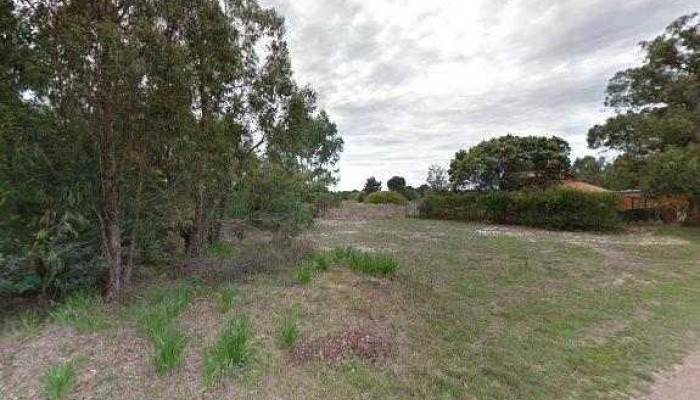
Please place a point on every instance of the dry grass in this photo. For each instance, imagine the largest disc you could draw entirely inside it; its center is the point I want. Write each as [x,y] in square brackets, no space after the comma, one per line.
[508,314]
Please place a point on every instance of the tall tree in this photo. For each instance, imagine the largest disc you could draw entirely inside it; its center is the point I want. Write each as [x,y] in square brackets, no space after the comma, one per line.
[658,106]
[397,184]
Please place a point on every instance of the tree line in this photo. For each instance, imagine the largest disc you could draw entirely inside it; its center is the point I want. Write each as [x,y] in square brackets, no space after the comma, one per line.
[130,125]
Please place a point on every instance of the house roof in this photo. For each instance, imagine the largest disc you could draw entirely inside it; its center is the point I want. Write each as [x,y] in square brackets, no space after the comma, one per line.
[583,187]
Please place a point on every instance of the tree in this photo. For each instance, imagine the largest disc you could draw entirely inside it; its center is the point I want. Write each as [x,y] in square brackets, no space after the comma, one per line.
[137,119]
[372,185]
[657,108]
[437,179]
[590,169]
[397,184]
[511,163]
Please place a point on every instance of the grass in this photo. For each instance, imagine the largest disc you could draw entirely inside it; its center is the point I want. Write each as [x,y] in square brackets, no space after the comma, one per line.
[233,350]
[473,312]
[225,297]
[367,263]
[59,381]
[158,314]
[289,333]
[83,312]
[221,250]
[304,275]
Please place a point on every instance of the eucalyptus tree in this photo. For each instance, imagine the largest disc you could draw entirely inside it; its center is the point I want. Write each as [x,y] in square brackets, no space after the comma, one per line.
[658,111]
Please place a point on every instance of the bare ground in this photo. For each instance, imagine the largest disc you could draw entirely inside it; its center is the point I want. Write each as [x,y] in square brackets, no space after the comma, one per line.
[681,383]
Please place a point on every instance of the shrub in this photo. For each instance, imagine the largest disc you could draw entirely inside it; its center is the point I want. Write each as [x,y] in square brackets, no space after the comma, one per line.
[289,333]
[82,312]
[59,381]
[320,261]
[367,263]
[233,349]
[559,209]
[386,198]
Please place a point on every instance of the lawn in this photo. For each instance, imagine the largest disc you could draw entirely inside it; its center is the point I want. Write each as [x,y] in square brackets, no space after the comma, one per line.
[473,312]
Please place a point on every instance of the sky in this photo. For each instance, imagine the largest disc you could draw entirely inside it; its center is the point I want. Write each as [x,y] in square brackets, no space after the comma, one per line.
[411,82]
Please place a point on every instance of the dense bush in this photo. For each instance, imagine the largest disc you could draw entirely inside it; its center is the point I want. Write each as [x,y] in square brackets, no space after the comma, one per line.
[554,209]
[386,198]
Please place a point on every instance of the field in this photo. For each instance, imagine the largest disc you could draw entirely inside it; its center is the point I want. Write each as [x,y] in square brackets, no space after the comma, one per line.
[474,312]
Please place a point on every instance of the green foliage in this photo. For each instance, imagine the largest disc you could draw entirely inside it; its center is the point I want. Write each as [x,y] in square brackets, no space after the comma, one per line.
[304,275]
[366,263]
[590,169]
[180,127]
[274,198]
[232,350]
[386,198]
[225,297]
[511,163]
[320,261]
[289,333]
[59,381]
[83,312]
[396,184]
[372,185]
[220,249]
[559,209]
[656,107]
[158,314]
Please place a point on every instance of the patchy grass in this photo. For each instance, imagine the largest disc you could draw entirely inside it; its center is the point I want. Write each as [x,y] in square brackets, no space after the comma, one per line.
[59,381]
[474,312]
[221,250]
[83,312]
[233,350]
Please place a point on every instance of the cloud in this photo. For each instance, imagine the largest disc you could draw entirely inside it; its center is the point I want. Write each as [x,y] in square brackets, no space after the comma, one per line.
[411,82]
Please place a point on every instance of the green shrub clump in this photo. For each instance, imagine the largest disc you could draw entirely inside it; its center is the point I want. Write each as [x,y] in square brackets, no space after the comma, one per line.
[386,198]
[559,209]
[233,349]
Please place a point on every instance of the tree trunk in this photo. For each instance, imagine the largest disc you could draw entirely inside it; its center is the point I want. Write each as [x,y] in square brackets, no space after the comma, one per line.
[110,182]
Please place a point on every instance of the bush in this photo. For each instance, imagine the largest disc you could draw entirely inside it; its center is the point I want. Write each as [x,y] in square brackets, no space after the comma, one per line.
[558,209]
[386,198]
[289,333]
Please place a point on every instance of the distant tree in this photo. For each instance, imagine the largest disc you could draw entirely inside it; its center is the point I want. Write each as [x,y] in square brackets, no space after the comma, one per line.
[437,178]
[657,110]
[397,184]
[511,163]
[590,169]
[372,185]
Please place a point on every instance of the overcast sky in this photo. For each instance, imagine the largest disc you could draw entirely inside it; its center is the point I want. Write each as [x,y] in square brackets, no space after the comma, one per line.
[410,82]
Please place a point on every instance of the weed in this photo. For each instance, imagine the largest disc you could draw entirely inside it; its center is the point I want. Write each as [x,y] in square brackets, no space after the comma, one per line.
[321,261]
[59,381]
[84,313]
[232,350]
[304,275]
[225,297]
[289,333]
[367,263]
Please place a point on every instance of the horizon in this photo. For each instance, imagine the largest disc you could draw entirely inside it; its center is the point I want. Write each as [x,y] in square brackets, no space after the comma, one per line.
[410,84]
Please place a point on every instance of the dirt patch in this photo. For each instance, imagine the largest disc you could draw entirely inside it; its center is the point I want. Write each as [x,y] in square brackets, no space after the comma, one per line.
[682,383]
[358,343]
